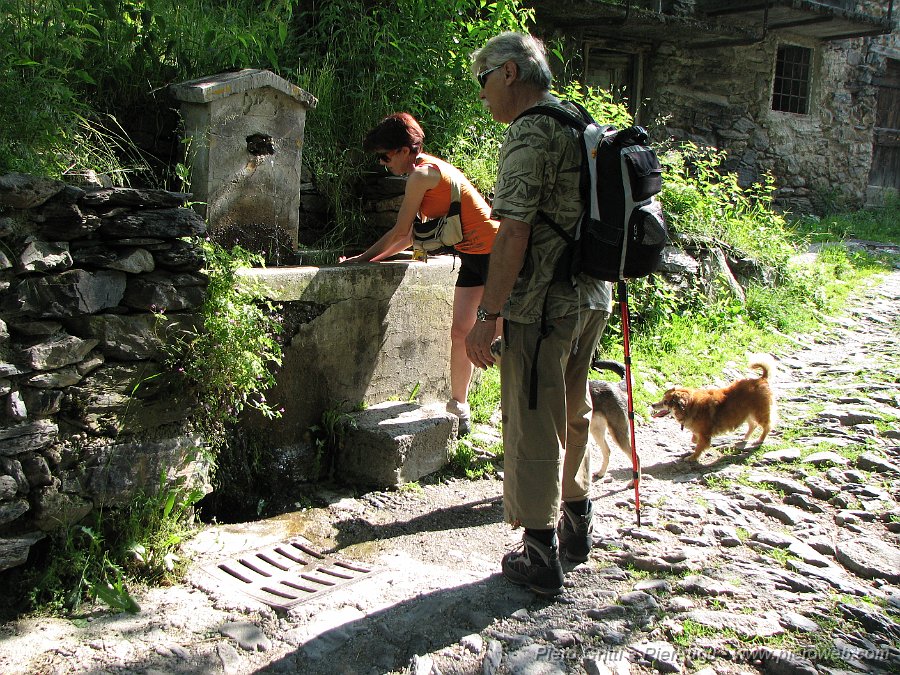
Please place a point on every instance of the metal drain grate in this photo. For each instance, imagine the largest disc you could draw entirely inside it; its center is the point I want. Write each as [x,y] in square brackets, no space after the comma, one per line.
[286,574]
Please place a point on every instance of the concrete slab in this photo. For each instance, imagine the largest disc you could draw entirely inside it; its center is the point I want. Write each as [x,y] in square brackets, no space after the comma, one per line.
[395,443]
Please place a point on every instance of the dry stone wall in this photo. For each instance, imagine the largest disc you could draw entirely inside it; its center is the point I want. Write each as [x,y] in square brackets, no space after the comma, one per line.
[722,98]
[90,413]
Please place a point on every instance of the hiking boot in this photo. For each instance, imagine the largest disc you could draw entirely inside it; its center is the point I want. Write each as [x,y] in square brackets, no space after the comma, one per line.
[461,410]
[576,533]
[536,566]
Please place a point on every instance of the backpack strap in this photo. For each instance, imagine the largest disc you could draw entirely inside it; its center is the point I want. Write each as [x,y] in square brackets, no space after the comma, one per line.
[455,196]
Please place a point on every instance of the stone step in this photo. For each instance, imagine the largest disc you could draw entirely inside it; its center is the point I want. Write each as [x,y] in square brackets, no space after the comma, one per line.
[396,442]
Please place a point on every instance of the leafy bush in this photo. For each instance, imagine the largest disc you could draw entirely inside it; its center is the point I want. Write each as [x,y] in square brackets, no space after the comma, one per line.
[231,359]
[701,199]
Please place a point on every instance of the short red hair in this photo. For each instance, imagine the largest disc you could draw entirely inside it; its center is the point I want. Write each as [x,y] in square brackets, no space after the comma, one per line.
[400,130]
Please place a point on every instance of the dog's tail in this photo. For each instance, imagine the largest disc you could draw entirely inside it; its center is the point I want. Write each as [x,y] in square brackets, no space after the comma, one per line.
[765,363]
[614,366]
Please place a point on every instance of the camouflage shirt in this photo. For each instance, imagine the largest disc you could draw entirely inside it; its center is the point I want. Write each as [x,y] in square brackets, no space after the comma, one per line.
[540,167]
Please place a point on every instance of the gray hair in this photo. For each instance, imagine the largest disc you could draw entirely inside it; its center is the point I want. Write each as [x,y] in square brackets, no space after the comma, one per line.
[528,53]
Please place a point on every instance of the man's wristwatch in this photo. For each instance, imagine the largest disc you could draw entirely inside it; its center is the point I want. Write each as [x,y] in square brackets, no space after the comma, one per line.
[483,315]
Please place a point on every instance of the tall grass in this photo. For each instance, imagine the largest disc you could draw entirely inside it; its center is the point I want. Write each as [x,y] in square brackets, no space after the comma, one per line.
[66,65]
[364,61]
[874,224]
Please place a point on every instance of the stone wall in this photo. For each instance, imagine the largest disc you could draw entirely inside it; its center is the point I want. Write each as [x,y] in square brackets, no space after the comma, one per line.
[89,412]
[721,97]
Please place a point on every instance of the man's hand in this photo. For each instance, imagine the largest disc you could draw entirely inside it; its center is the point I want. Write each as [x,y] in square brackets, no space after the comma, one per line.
[478,343]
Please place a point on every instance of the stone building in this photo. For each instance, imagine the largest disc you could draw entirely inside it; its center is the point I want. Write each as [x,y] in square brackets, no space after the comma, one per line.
[809,91]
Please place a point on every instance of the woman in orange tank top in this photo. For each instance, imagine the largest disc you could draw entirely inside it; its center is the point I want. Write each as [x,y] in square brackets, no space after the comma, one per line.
[397,140]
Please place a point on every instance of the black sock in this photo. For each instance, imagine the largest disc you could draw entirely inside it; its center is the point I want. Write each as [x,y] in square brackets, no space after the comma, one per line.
[543,536]
[579,508]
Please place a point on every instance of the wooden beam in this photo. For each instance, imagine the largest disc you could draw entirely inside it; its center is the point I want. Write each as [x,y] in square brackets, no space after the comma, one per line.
[737,8]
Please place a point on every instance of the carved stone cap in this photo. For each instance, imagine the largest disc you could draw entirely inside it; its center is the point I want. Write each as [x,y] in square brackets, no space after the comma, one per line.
[213,87]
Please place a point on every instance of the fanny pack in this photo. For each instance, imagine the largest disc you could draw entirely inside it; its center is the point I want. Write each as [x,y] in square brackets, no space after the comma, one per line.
[432,234]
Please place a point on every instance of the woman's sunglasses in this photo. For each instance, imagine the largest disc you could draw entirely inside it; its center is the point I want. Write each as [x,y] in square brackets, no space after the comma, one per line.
[385,156]
[483,75]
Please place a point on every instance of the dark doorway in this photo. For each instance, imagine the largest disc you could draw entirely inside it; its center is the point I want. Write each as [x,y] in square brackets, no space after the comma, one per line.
[616,72]
[885,172]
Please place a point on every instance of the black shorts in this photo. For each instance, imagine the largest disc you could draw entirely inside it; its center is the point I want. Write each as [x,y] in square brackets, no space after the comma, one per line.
[473,269]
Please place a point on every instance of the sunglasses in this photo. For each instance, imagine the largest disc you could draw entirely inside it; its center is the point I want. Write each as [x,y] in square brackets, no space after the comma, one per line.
[483,75]
[385,156]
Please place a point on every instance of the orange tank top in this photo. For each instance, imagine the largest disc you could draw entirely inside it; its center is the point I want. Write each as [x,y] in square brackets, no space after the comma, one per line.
[479,231]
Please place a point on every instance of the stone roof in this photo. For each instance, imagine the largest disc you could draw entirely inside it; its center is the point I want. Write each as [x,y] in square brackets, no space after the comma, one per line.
[212,87]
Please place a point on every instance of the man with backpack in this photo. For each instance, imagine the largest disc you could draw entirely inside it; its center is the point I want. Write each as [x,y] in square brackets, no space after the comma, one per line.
[551,325]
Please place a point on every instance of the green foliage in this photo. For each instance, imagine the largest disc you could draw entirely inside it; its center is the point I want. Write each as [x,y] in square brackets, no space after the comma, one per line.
[873,224]
[231,359]
[364,61]
[328,438]
[65,65]
[701,199]
[474,459]
[119,547]
[599,103]
[484,395]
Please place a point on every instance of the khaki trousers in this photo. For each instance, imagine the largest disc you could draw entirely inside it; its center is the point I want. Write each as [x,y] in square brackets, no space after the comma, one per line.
[544,450]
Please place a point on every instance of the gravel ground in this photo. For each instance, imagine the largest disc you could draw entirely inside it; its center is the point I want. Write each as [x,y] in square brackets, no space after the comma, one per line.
[745,563]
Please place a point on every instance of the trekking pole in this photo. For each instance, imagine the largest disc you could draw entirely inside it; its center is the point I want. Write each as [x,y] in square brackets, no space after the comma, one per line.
[622,290]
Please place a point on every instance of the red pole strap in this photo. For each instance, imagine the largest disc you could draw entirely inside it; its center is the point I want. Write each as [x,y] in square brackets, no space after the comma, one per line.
[635,471]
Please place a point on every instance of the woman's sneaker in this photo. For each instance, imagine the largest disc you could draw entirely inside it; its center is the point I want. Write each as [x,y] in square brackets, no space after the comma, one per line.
[536,566]
[461,410]
[576,533]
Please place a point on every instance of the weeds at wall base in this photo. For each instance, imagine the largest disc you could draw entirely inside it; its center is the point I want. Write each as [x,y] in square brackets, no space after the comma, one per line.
[110,552]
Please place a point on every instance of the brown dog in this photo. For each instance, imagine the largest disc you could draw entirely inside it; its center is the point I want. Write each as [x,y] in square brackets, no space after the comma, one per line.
[711,412]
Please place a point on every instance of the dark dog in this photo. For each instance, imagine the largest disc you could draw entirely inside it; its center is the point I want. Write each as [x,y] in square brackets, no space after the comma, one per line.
[711,412]
[610,405]
[610,413]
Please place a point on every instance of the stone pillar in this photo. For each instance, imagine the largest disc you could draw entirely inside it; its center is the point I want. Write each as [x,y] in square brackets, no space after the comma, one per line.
[244,146]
